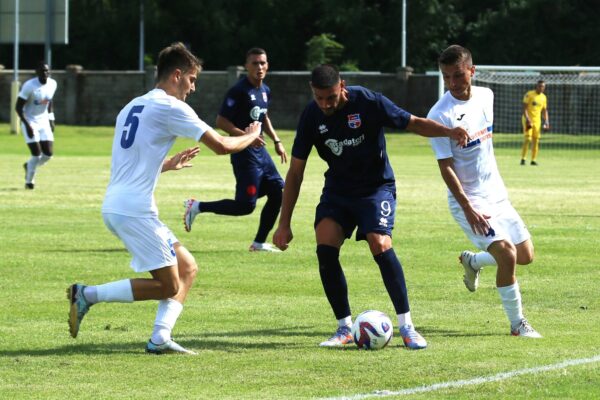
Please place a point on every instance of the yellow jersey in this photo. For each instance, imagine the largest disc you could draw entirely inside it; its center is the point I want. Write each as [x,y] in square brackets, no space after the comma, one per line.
[535,104]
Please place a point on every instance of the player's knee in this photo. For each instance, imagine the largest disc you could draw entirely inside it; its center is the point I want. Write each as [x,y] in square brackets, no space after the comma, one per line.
[275,196]
[525,258]
[189,270]
[246,207]
[47,156]
[170,289]
[327,255]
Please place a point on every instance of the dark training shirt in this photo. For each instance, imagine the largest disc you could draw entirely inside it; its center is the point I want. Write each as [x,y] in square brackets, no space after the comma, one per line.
[244,104]
[352,141]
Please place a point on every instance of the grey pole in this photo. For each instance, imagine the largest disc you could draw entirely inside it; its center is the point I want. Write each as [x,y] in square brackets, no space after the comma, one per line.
[141,54]
[14,92]
[49,31]
[403,33]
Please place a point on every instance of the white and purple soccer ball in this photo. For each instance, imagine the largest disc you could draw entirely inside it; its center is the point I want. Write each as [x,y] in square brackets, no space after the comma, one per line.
[372,330]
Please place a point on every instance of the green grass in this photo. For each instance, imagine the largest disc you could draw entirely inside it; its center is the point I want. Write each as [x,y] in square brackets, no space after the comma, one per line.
[256,319]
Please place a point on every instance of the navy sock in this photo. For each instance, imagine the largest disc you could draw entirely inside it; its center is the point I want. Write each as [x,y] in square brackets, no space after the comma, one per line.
[226,207]
[333,279]
[268,216]
[393,278]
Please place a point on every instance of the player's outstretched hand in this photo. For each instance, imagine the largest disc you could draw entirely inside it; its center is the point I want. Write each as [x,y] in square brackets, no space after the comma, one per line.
[181,159]
[460,135]
[282,237]
[255,128]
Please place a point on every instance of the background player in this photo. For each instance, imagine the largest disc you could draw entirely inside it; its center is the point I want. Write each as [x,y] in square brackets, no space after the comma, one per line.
[255,173]
[34,107]
[477,198]
[345,125]
[145,130]
[534,105]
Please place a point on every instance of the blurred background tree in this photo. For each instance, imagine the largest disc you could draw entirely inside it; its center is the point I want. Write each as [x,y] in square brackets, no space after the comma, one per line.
[104,33]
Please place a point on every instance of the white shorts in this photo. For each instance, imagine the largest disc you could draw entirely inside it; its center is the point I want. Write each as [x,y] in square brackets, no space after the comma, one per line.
[505,223]
[42,132]
[149,241]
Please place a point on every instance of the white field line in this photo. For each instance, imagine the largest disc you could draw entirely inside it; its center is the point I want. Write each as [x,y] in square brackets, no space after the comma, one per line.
[468,382]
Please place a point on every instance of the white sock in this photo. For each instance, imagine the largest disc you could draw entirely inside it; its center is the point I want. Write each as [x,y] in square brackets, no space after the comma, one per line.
[91,294]
[482,259]
[404,319]
[32,164]
[166,316]
[115,292]
[43,160]
[345,321]
[511,300]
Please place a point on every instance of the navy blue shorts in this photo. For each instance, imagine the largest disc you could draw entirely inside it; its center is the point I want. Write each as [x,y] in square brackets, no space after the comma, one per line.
[254,182]
[373,213]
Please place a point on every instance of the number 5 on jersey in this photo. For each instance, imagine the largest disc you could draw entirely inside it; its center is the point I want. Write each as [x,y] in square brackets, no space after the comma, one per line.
[131,124]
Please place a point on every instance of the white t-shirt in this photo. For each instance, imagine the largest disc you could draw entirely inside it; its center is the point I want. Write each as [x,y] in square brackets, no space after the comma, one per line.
[145,131]
[475,164]
[37,97]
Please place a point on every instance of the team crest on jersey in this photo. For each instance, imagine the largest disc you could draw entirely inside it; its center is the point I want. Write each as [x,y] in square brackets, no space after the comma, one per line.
[323,129]
[265,99]
[354,121]
[252,97]
[230,102]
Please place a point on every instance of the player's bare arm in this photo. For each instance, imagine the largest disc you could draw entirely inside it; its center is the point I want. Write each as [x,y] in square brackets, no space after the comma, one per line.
[527,117]
[19,109]
[180,160]
[293,181]
[228,126]
[476,219]
[51,115]
[270,131]
[232,144]
[430,128]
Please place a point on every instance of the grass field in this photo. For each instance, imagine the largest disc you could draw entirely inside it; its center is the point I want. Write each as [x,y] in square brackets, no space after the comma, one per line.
[256,319]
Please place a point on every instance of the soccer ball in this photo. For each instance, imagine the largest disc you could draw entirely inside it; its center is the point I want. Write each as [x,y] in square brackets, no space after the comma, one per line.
[372,330]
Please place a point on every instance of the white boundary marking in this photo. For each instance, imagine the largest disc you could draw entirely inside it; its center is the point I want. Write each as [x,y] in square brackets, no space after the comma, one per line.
[468,382]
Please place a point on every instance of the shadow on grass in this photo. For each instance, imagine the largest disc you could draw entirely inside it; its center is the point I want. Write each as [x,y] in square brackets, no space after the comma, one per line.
[262,339]
[115,250]
[428,331]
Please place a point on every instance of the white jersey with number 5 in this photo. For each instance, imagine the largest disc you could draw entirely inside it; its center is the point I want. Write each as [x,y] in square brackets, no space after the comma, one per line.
[474,164]
[145,131]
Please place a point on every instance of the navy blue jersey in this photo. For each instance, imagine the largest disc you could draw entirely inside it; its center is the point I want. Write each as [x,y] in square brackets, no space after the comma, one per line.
[352,141]
[244,104]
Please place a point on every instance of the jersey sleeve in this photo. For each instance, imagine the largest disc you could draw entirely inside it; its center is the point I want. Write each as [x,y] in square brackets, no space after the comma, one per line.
[25,91]
[183,121]
[303,141]
[230,104]
[392,116]
[526,98]
[441,146]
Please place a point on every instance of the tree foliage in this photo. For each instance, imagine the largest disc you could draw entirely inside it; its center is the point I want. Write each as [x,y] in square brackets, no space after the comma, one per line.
[104,34]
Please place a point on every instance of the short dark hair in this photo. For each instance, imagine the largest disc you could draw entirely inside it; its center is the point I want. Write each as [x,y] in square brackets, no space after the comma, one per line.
[41,65]
[324,76]
[255,51]
[176,56]
[541,81]
[455,54]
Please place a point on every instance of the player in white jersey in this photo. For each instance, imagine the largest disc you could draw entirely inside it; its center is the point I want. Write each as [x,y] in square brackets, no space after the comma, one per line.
[145,131]
[34,107]
[477,197]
